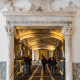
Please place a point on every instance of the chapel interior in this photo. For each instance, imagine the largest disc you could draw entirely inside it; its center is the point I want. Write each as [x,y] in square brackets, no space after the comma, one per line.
[35,43]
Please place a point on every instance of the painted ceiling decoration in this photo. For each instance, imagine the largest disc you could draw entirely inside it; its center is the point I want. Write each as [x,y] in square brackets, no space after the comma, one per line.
[40,38]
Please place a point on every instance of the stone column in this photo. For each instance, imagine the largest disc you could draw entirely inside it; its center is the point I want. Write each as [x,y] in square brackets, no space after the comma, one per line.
[67,32]
[36,55]
[33,54]
[50,53]
[10,62]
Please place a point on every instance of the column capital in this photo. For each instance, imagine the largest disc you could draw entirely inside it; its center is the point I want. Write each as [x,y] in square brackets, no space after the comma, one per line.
[67,31]
[10,30]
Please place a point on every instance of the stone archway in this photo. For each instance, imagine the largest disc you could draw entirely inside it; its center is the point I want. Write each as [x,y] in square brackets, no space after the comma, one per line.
[40,19]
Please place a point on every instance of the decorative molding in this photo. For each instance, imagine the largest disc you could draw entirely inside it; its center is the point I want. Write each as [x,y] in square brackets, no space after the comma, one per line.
[33,13]
[39,18]
[40,1]
[44,4]
[40,4]
[67,31]
[39,9]
[36,20]
[72,7]
[10,30]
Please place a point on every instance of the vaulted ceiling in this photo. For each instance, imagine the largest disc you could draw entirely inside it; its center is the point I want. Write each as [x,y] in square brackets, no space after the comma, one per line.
[40,38]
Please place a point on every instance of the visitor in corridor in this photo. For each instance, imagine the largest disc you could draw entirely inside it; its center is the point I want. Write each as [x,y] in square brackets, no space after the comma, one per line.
[43,63]
[25,60]
[49,60]
[29,60]
[53,64]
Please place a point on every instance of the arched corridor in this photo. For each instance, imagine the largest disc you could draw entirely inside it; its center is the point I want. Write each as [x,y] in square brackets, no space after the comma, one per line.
[36,43]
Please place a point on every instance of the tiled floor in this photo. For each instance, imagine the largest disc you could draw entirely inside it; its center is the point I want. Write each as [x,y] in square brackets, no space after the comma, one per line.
[37,74]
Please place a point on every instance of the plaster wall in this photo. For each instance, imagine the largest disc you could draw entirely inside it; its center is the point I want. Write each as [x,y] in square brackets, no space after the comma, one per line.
[3,39]
[76,40]
[4,56]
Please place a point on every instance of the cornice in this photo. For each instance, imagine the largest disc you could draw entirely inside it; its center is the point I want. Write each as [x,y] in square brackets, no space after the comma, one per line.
[56,13]
[40,0]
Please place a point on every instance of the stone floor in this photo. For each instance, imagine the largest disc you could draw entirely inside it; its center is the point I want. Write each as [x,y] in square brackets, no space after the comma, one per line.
[37,74]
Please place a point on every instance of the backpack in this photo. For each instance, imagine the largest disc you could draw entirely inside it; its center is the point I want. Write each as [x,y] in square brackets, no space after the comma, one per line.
[53,63]
[44,61]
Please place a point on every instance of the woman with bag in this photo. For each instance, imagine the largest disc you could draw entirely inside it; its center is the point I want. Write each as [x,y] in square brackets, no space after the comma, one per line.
[53,64]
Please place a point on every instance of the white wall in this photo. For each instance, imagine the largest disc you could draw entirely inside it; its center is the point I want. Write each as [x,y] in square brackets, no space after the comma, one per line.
[3,39]
[76,40]
[3,43]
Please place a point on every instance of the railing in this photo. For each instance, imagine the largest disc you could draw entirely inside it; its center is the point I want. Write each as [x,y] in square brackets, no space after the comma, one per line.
[34,62]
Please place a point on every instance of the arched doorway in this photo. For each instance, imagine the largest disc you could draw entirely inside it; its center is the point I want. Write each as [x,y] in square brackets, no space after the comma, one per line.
[40,21]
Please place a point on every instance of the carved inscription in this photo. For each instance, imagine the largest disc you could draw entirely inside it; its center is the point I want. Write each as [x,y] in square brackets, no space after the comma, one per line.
[37,20]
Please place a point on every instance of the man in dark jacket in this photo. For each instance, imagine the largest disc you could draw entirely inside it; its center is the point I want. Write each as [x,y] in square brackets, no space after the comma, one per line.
[25,60]
[29,64]
[49,60]
[44,64]
[53,63]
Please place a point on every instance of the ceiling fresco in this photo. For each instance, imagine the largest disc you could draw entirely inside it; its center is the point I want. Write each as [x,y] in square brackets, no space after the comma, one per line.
[40,38]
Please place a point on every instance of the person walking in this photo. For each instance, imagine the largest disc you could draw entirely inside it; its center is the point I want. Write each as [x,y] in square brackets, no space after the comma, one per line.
[44,64]
[25,60]
[49,60]
[53,63]
[30,60]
